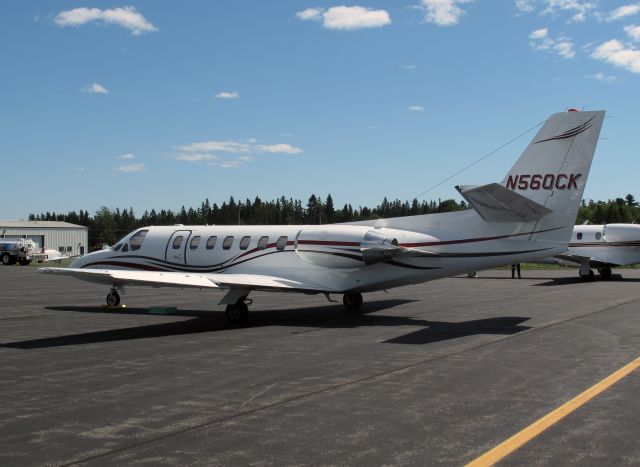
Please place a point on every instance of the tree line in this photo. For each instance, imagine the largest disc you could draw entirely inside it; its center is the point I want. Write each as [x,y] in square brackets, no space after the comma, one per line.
[109,225]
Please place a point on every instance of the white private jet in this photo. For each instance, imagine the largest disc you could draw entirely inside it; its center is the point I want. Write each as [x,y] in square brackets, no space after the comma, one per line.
[529,216]
[602,247]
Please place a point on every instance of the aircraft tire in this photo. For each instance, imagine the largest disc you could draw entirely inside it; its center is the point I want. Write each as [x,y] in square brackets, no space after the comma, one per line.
[237,313]
[113,298]
[352,301]
[6,259]
[605,273]
[588,277]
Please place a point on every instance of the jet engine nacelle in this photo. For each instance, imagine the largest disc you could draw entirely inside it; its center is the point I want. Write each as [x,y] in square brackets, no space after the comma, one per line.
[345,247]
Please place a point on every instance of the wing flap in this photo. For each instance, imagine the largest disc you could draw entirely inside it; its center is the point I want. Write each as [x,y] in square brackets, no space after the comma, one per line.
[495,203]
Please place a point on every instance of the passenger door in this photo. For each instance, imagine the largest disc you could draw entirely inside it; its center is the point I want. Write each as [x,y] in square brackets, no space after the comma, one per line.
[177,247]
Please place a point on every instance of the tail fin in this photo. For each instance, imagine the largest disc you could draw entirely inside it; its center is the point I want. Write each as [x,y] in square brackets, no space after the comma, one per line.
[553,170]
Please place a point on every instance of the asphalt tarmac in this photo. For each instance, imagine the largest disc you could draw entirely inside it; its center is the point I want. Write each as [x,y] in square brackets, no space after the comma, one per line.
[435,374]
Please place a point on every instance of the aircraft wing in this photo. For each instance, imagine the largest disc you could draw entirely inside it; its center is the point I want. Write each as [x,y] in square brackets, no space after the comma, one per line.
[495,203]
[195,280]
[577,259]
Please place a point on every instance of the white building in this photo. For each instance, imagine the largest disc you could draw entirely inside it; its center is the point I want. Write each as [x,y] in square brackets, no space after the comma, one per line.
[69,239]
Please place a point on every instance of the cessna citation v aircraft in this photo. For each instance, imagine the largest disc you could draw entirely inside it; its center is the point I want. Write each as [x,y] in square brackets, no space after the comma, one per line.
[602,247]
[529,216]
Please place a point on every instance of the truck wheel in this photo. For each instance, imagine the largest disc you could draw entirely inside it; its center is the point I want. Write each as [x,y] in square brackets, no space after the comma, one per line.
[6,259]
[25,262]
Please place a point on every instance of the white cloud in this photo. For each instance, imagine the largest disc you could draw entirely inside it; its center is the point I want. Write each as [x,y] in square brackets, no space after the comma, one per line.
[579,8]
[126,17]
[526,6]
[281,148]
[95,88]
[564,49]
[541,40]
[416,108]
[633,31]
[408,67]
[131,168]
[233,147]
[346,18]
[603,77]
[196,157]
[126,157]
[227,95]
[539,33]
[80,169]
[623,12]
[310,14]
[236,147]
[245,151]
[443,12]
[618,54]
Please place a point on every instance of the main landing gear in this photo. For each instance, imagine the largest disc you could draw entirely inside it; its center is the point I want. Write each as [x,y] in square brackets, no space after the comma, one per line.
[352,301]
[587,274]
[237,313]
[113,297]
[605,272]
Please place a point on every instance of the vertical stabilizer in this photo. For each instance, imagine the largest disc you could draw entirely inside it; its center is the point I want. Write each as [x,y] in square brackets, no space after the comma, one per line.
[553,170]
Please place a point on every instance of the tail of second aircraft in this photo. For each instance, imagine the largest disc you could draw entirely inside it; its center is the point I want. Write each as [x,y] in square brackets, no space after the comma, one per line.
[552,171]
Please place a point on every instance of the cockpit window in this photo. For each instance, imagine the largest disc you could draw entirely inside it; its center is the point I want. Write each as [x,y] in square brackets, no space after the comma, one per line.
[177,242]
[117,247]
[136,240]
[125,248]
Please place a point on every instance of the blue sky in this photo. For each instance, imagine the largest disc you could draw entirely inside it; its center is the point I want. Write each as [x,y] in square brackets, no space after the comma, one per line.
[156,104]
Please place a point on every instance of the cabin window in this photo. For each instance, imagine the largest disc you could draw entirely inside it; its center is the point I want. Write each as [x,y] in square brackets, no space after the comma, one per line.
[136,241]
[177,242]
[579,236]
[117,247]
[61,249]
[263,242]
[125,248]
[228,241]
[598,235]
[211,242]
[282,243]
[195,241]
[244,242]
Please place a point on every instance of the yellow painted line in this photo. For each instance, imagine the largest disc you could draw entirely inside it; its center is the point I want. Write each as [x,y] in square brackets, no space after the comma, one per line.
[521,438]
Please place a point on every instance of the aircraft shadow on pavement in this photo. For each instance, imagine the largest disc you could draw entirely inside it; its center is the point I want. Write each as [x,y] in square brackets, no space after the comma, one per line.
[578,280]
[436,331]
[330,316]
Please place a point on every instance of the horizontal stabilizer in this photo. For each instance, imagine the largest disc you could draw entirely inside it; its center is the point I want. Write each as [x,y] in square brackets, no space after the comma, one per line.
[495,203]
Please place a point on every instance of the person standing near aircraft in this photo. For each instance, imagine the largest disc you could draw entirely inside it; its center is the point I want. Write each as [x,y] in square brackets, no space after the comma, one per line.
[514,268]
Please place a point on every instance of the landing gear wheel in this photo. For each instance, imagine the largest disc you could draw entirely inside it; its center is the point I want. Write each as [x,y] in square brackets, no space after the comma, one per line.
[352,301]
[113,298]
[605,273]
[589,276]
[237,313]
[472,274]
[6,259]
